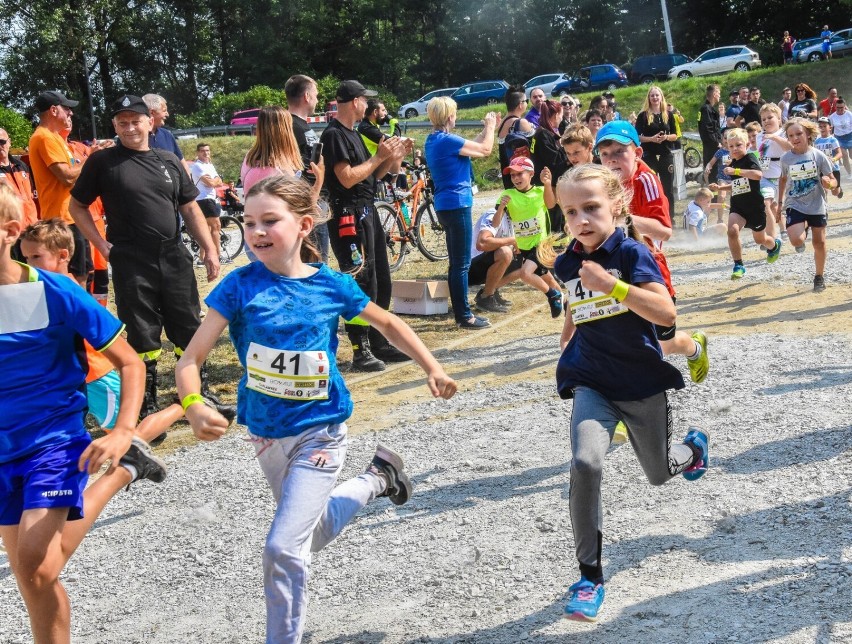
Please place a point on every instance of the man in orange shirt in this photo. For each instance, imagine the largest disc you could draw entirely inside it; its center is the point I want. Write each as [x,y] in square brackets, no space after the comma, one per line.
[16,174]
[55,170]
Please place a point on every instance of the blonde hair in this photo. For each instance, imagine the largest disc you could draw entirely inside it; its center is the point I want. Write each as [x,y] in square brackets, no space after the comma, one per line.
[275,145]
[754,127]
[664,107]
[53,234]
[810,128]
[577,133]
[614,191]
[737,134]
[770,107]
[440,110]
[703,193]
[11,208]
[300,200]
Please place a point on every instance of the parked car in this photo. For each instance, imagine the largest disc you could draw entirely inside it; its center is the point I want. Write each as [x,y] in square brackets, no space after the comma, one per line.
[590,79]
[480,93]
[737,58]
[246,117]
[418,107]
[841,45]
[799,45]
[647,69]
[545,82]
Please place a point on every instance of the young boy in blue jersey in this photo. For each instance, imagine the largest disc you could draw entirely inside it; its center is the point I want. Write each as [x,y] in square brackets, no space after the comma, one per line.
[46,455]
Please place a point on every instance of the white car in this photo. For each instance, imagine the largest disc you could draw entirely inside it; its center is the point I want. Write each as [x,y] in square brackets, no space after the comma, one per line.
[418,107]
[735,58]
[546,82]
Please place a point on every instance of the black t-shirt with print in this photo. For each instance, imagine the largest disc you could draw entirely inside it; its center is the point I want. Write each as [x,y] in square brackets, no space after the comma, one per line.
[340,144]
[140,192]
[747,204]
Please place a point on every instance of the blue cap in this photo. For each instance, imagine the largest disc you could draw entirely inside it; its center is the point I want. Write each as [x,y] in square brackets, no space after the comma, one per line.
[620,131]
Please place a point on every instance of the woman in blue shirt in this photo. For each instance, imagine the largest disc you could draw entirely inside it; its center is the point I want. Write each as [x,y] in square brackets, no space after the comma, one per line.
[448,156]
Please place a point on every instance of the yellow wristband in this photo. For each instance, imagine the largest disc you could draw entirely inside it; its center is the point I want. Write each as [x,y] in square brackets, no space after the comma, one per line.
[737,172]
[191,399]
[619,291]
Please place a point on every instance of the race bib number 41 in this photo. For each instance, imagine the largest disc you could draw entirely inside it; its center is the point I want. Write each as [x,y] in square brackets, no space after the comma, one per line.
[294,375]
[589,306]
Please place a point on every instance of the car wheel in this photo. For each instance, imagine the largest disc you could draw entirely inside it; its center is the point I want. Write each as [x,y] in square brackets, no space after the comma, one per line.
[491,101]
[647,80]
[741,67]
[612,86]
[814,57]
[410,113]
[684,74]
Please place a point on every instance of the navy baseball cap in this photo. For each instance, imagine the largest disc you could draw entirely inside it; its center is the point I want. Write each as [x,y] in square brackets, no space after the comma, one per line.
[129,103]
[619,131]
[46,100]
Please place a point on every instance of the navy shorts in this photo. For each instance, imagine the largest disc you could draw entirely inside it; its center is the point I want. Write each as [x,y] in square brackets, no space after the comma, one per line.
[209,208]
[531,254]
[814,221]
[47,478]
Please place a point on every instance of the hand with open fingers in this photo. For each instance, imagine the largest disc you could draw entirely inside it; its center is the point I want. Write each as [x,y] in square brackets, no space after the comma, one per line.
[490,119]
[595,277]
[107,448]
[207,423]
[386,148]
[545,176]
[441,385]
[408,145]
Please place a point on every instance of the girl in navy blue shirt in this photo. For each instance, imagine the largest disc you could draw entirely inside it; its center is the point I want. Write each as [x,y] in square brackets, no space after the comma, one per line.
[282,312]
[611,362]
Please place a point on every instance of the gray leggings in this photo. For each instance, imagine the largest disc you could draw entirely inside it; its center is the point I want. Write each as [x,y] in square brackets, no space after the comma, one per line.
[593,422]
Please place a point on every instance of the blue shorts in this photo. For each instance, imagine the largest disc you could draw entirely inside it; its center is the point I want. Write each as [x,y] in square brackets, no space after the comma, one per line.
[826,47]
[47,478]
[814,221]
[103,395]
[845,140]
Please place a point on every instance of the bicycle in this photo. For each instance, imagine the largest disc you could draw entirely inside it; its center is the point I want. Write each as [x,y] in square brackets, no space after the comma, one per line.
[691,154]
[231,240]
[402,230]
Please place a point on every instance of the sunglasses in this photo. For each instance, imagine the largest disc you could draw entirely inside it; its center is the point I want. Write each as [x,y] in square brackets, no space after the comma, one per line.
[567,104]
[4,141]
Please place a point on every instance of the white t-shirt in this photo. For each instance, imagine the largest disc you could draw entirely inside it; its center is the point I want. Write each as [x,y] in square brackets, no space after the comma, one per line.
[199,170]
[770,153]
[694,214]
[485,222]
[842,123]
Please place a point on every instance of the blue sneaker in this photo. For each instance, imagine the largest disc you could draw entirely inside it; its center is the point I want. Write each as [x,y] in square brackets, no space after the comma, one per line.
[585,602]
[739,271]
[774,252]
[699,438]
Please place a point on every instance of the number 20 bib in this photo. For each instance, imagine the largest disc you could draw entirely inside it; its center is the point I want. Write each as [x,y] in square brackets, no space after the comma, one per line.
[589,306]
[294,375]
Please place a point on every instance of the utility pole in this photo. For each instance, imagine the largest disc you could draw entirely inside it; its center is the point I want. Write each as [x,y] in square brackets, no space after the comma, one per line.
[666,26]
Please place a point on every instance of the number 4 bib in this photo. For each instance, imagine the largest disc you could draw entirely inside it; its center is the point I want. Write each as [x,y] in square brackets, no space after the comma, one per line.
[589,306]
[293,375]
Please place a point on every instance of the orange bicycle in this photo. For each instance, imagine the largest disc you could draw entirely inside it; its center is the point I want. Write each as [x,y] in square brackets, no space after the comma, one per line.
[402,231]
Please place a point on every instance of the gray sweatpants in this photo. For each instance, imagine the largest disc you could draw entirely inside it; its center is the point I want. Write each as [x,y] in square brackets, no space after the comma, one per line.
[593,422]
[302,472]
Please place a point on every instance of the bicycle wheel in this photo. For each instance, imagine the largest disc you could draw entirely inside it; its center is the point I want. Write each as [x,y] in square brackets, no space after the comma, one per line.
[395,239]
[691,157]
[492,175]
[191,245]
[231,238]
[430,234]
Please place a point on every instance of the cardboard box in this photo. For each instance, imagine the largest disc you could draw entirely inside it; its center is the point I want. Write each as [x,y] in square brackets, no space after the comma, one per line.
[420,297]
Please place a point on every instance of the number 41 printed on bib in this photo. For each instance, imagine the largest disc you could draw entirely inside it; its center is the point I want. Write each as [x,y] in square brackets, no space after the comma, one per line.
[590,306]
[293,375]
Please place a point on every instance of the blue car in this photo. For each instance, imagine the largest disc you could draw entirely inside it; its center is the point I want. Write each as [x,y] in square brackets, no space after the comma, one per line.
[480,93]
[593,78]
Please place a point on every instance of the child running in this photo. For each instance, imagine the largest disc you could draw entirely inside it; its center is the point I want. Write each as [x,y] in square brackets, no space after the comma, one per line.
[721,160]
[611,363]
[527,206]
[771,144]
[828,144]
[806,175]
[46,455]
[282,313]
[48,245]
[747,207]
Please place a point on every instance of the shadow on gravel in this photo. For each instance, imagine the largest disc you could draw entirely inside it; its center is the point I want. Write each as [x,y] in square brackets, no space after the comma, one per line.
[698,305]
[811,378]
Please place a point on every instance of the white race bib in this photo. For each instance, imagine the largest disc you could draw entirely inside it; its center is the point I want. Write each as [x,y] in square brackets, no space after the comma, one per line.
[739,186]
[764,163]
[803,170]
[526,228]
[590,306]
[23,307]
[294,375]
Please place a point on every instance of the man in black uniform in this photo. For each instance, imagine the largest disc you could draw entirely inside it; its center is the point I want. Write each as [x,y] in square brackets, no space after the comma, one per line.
[709,128]
[302,97]
[355,231]
[143,191]
[751,110]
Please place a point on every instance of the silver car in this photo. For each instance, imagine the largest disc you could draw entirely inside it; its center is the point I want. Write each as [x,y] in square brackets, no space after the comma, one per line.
[418,107]
[841,45]
[546,82]
[737,58]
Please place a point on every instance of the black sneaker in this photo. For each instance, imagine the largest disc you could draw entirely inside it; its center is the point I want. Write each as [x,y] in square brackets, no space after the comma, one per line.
[388,464]
[228,411]
[158,439]
[143,460]
[476,323]
[819,284]
[489,303]
[389,353]
[502,301]
[555,302]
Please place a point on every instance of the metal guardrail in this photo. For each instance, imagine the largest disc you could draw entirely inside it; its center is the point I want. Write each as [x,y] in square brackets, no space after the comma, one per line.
[231,130]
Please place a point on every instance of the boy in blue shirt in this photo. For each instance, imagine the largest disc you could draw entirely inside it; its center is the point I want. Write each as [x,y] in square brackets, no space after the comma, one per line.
[46,455]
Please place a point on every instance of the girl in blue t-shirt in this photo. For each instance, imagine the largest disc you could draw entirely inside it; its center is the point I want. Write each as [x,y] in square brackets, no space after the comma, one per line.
[611,362]
[282,313]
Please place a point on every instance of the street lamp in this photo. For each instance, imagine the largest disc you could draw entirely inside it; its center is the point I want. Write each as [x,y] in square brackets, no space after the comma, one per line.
[666,26]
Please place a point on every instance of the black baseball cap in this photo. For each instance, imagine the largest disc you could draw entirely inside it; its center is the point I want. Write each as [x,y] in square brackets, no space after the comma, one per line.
[352,89]
[46,100]
[129,103]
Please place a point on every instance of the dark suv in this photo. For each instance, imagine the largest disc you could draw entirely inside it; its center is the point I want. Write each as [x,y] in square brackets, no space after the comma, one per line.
[590,79]
[647,69]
